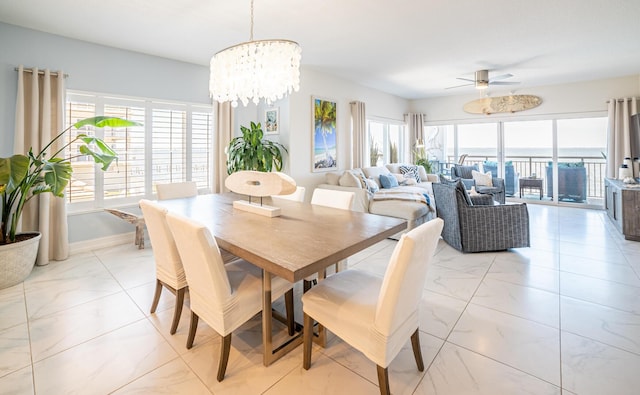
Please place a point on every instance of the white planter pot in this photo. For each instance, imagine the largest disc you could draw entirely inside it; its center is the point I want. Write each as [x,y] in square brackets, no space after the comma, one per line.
[17,260]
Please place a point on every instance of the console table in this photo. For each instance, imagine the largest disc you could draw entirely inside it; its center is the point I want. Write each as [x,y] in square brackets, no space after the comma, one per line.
[531,183]
[622,203]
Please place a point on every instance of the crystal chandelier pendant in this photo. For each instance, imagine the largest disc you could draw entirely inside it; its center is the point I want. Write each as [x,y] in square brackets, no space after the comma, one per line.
[254,70]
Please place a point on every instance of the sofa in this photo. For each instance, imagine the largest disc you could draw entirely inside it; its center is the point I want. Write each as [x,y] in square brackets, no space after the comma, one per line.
[397,201]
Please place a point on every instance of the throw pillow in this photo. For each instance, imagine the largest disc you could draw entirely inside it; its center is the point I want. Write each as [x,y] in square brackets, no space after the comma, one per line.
[410,171]
[482,179]
[388,181]
[372,186]
[348,179]
[460,189]
[360,176]
[332,178]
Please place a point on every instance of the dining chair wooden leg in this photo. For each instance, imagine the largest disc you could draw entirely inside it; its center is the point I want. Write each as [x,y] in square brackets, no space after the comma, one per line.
[156,296]
[177,311]
[306,285]
[383,380]
[417,352]
[288,303]
[192,329]
[307,341]
[225,348]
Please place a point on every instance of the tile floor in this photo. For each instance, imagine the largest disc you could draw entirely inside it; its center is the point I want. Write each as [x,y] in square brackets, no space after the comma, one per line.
[561,317]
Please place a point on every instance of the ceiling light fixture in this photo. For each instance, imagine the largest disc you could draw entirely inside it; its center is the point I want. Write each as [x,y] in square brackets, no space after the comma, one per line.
[254,70]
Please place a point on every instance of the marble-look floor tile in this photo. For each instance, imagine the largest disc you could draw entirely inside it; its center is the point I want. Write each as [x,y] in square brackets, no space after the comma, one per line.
[525,302]
[13,309]
[451,282]
[162,321]
[526,345]
[608,293]
[104,364]
[19,382]
[403,372]
[604,324]
[525,274]
[143,297]
[592,368]
[530,256]
[458,371]
[15,351]
[610,271]
[590,251]
[439,313]
[173,378]
[245,372]
[61,285]
[474,264]
[60,331]
[324,377]
[131,267]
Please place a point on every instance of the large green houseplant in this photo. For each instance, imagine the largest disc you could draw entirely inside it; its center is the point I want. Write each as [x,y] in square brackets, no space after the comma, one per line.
[251,152]
[24,176]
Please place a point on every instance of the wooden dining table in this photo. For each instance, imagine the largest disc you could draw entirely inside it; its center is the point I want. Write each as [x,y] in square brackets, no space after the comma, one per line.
[305,239]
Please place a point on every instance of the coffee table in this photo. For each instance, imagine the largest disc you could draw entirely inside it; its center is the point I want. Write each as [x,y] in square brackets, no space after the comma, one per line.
[531,183]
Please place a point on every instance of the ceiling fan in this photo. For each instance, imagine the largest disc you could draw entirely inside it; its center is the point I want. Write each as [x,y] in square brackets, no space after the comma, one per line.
[482,80]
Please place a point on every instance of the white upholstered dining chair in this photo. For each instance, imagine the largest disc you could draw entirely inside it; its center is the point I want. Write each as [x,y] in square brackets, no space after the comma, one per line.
[224,296]
[376,315]
[335,199]
[177,190]
[169,270]
[297,196]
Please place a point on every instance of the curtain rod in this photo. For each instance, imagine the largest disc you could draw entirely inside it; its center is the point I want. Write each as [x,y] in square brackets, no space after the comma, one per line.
[41,72]
[621,100]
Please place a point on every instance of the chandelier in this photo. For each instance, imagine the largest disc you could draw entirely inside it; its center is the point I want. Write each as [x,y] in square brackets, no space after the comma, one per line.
[254,70]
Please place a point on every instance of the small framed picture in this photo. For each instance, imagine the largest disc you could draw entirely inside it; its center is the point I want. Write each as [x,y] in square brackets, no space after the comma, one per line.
[271,120]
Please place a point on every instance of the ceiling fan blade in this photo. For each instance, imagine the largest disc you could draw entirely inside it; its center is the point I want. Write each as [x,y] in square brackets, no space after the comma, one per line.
[459,86]
[504,83]
[501,77]
[466,79]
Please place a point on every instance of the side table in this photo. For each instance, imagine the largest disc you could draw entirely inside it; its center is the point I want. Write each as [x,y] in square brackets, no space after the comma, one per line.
[531,183]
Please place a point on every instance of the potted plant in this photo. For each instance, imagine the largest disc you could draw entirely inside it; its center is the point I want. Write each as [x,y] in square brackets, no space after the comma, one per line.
[421,159]
[251,152]
[24,176]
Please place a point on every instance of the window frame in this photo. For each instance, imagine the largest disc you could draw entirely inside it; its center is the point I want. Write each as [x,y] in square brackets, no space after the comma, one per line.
[100,100]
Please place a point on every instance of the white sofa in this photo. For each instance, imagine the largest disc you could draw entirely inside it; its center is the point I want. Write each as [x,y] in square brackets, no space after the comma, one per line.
[414,212]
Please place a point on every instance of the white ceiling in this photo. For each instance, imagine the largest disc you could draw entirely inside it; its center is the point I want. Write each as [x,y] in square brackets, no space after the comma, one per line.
[410,48]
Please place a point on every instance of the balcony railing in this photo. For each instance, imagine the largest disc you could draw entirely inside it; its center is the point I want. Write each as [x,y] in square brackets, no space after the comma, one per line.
[526,166]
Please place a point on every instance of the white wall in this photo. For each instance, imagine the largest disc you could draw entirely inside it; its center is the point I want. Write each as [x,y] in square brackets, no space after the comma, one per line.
[578,98]
[313,83]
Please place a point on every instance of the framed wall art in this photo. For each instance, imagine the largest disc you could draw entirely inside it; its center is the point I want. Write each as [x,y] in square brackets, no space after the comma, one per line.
[324,137]
[272,120]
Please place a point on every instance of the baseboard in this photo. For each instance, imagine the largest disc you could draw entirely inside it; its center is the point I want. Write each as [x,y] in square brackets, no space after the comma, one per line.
[102,242]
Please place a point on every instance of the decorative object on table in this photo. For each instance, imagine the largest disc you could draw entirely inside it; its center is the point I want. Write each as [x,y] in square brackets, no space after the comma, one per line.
[251,152]
[324,138]
[272,120]
[511,103]
[263,69]
[24,176]
[259,184]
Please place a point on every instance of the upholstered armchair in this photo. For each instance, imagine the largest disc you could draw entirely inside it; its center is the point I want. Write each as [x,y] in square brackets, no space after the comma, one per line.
[470,227]
[572,181]
[464,173]
[510,175]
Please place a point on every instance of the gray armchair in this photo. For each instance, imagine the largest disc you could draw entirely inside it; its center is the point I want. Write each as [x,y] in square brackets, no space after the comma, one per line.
[475,228]
[466,176]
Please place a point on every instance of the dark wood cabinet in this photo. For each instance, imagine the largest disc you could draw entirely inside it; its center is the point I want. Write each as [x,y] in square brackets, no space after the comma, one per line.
[623,207]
